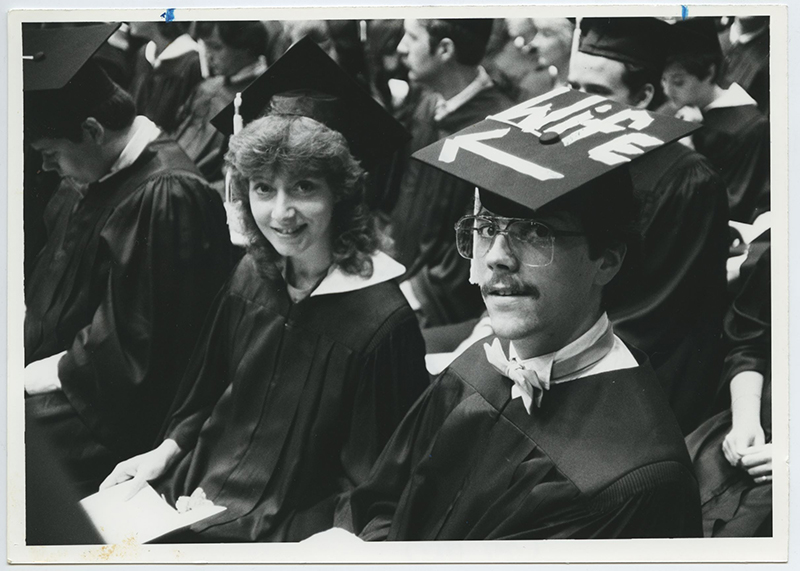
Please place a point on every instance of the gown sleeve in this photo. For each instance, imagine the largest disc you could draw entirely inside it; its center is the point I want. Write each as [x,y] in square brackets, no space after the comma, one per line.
[391,378]
[207,377]
[368,511]
[169,253]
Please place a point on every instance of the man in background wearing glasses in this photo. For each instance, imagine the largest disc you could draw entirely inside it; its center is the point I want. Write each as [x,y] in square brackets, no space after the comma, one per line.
[552,427]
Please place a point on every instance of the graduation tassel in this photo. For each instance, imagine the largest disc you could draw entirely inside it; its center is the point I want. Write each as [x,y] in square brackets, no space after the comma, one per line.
[233,207]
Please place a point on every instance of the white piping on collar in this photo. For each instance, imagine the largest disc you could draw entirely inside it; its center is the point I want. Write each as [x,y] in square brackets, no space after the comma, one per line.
[384,269]
[179,46]
[143,132]
[734,96]
[738,37]
[619,357]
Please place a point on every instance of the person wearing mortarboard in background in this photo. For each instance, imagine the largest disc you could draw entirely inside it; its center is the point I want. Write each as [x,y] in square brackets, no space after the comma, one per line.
[676,297]
[552,427]
[735,134]
[132,260]
[746,58]
[311,356]
[235,52]
[421,204]
[165,71]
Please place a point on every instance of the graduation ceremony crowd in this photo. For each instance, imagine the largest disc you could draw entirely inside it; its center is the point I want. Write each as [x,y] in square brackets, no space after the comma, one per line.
[266,267]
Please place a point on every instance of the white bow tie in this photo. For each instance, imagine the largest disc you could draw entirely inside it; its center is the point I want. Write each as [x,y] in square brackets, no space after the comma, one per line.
[530,385]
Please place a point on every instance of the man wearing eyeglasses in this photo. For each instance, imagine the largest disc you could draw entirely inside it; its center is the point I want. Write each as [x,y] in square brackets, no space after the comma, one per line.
[552,427]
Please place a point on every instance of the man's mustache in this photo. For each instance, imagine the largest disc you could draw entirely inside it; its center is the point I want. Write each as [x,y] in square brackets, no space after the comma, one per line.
[509,285]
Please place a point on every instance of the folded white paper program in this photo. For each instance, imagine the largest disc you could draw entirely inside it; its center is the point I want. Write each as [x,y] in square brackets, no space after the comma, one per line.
[144,517]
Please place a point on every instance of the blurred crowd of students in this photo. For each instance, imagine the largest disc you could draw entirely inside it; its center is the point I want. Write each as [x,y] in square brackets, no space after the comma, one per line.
[697,298]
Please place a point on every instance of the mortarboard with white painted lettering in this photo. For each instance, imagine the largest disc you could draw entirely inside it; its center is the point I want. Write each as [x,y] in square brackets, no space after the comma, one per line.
[543,148]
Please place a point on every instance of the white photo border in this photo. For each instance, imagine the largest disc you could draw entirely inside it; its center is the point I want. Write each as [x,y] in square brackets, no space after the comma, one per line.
[773,549]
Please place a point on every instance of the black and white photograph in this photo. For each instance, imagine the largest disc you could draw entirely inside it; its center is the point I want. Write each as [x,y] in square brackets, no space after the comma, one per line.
[398,285]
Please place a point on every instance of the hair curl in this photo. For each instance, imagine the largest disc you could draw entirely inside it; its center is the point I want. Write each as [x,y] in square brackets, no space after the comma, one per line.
[301,145]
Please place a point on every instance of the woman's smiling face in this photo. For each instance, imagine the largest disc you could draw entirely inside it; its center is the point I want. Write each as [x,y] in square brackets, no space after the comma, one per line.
[295,213]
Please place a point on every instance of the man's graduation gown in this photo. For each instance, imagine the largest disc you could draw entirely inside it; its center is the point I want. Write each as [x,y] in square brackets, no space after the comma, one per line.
[670,298]
[602,457]
[428,204]
[160,92]
[736,141]
[123,285]
[285,406]
[748,65]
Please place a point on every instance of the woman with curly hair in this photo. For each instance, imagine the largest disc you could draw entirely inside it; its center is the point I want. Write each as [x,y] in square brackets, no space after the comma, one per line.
[311,356]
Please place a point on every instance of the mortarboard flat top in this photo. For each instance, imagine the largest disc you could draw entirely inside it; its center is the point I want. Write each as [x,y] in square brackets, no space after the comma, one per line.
[637,41]
[52,56]
[693,36]
[550,145]
[370,130]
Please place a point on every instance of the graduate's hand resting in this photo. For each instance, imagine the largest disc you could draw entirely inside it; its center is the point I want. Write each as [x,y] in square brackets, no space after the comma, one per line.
[144,467]
[741,438]
[42,376]
[757,461]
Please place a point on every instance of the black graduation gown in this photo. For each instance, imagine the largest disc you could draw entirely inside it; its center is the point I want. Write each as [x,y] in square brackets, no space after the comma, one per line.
[159,93]
[736,141]
[123,285]
[204,144]
[733,505]
[428,204]
[670,299]
[602,458]
[748,65]
[285,406]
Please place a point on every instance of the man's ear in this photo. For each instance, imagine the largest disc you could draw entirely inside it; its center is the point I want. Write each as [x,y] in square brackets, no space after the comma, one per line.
[712,73]
[610,262]
[93,131]
[446,50]
[644,96]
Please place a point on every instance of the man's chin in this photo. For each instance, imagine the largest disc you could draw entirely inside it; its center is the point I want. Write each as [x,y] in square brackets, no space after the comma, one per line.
[510,325]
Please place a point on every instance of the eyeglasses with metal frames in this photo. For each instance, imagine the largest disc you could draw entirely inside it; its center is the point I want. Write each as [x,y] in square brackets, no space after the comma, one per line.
[532,242]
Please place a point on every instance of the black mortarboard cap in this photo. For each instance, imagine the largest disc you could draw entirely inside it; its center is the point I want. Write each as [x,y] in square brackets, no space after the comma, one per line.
[306,81]
[639,41]
[693,36]
[53,56]
[544,148]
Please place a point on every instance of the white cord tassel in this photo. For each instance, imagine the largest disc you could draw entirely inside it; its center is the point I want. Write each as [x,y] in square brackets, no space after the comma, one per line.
[233,207]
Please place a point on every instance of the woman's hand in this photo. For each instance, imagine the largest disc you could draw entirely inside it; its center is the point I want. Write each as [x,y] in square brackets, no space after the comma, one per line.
[757,461]
[741,438]
[144,467]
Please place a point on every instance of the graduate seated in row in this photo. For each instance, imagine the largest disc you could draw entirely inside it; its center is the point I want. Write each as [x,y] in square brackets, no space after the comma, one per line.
[673,305]
[735,134]
[311,355]
[552,427]
[732,451]
[235,54]
[136,249]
